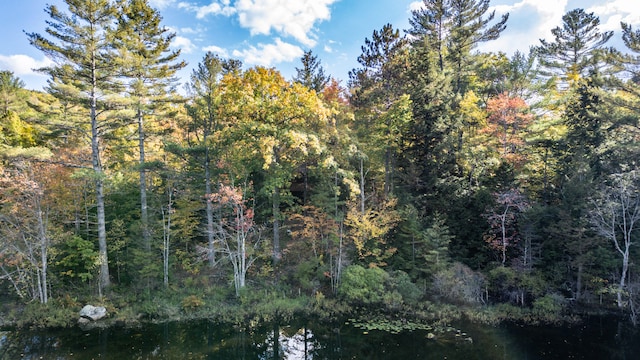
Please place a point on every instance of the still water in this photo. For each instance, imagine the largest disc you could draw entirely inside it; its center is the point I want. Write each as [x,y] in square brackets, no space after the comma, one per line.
[598,338]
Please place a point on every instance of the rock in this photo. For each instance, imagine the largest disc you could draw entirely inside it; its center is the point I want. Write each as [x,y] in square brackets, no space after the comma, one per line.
[93,313]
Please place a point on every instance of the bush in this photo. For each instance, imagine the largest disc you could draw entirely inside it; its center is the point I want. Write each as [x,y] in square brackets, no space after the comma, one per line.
[459,284]
[400,282]
[549,305]
[191,303]
[364,286]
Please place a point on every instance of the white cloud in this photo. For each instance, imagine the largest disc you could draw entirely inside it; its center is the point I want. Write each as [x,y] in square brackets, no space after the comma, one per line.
[23,64]
[529,21]
[161,4]
[616,11]
[269,54]
[184,44]
[415,5]
[188,30]
[286,17]
[214,8]
[291,18]
[216,50]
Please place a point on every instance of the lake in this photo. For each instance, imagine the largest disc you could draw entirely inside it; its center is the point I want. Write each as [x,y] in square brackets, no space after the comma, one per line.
[597,338]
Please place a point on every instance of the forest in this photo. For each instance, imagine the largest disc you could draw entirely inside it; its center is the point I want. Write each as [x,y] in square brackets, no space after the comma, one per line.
[437,179]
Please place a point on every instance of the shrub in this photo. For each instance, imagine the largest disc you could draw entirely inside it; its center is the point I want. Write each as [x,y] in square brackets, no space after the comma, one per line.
[365,286]
[549,305]
[459,284]
[191,303]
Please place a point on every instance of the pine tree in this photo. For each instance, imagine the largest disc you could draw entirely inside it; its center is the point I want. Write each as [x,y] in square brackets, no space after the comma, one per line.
[312,73]
[383,107]
[149,67]
[575,51]
[85,73]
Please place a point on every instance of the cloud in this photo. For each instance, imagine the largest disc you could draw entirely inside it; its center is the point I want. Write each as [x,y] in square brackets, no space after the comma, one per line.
[161,4]
[288,18]
[616,11]
[529,21]
[214,8]
[216,50]
[269,54]
[184,44]
[416,5]
[23,64]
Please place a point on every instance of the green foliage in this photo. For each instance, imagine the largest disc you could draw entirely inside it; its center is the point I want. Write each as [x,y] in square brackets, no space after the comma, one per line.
[550,305]
[416,140]
[363,285]
[192,303]
[371,286]
[51,315]
[76,258]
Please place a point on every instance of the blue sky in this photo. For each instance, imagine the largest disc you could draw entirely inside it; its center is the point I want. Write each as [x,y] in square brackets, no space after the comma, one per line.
[275,33]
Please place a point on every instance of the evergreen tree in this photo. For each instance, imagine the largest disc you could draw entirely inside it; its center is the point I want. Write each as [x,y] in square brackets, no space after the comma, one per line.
[85,73]
[10,87]
[204,110]
[312,73]
[149,67]
[576,47]
[382,107]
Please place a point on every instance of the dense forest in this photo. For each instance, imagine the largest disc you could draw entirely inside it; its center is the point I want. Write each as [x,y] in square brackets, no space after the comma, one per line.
[435,176]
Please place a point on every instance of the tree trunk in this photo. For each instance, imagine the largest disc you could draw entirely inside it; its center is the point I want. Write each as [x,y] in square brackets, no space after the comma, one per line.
[388,172]
[579,281]
[144,215]
[104,280]
[166,219]
[42,233]
[207,179]
[362,195]
[276,224]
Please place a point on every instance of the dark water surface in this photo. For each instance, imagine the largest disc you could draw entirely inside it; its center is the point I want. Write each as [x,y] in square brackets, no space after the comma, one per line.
[598,338]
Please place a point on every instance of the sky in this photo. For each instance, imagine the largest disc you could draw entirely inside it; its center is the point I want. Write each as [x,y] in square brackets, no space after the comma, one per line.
[275,33]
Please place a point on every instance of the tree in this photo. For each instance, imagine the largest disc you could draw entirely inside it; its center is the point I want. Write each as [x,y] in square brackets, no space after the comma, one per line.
[312,73]
[615,216]
[445,32]
[237,230]
[383,109]
[468,28]
[150,67]
[507,121]
[85,74]
[25,238]
[503,221]
[276,130]
[370,232]
[575,49]
[10,87]
[205,111]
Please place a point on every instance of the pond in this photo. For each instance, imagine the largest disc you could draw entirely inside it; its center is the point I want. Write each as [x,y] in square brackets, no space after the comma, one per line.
[598,338]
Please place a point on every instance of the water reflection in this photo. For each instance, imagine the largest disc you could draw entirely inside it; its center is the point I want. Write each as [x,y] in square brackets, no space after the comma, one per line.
[600,338]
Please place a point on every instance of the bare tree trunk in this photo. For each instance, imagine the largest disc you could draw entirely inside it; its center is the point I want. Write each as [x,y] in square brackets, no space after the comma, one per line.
[362,195]
[388,168]
[144,214]
[104,280]
[276,224]
[44,245]
[166,220]
[207,179]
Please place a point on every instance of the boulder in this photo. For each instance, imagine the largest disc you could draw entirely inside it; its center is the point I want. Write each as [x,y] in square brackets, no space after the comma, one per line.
[93,313]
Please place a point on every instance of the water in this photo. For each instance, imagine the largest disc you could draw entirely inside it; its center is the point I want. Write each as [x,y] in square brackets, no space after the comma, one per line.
[599,338]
